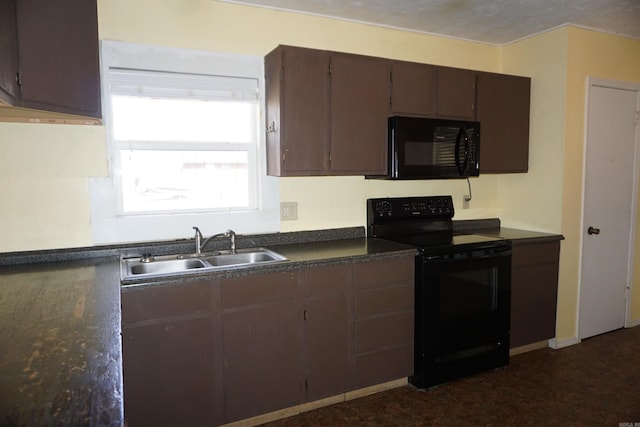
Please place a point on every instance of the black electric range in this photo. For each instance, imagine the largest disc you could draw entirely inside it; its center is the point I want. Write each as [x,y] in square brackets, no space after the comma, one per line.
[462,288]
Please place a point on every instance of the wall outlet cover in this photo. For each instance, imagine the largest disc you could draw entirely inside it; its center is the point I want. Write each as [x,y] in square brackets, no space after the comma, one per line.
[288,211]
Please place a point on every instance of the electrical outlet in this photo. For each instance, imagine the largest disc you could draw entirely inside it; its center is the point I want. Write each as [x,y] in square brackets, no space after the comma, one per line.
[288,211]
[465,201]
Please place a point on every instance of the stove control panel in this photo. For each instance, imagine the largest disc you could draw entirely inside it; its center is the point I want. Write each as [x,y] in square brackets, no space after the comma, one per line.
[400,208]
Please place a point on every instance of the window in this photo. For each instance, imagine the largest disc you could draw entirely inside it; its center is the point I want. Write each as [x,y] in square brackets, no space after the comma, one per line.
[184,133]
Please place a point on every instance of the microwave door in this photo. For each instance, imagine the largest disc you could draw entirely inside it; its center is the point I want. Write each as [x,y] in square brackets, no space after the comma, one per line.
[461,164]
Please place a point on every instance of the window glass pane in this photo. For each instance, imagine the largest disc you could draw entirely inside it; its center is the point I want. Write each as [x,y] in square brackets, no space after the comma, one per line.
[157,119]
[184,180]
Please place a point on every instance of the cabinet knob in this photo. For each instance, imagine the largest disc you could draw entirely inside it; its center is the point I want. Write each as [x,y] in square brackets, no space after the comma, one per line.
[592,230]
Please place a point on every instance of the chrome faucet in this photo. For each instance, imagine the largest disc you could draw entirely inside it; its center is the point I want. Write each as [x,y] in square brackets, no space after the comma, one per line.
[200,244]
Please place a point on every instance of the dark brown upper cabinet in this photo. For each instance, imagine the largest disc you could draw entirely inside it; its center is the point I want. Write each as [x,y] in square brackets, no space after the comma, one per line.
[503,113]
[413,89]
[55,67]
[456,93]
[326,113]
[432,91]
[8,51]
[297,111]
[359,112]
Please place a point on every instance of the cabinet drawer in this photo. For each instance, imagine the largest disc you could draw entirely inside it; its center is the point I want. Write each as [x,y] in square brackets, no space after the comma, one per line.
[379,273]
[159,301]
[385,300]
[378,333]
[387,365]
[327,280]
[535,253]
[243,291]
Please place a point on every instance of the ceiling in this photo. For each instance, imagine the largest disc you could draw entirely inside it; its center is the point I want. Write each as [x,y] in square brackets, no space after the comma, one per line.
[496,22]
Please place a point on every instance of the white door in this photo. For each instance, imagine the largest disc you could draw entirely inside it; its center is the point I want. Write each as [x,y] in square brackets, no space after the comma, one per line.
[609,206]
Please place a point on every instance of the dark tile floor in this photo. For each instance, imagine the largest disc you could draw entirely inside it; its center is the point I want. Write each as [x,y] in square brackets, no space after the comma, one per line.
[594,383]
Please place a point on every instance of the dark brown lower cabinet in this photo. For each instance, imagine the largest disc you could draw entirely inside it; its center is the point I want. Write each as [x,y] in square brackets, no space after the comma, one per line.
[170,364]
[534,290]
[383,319]
[327,336]
[261,344]
[216,351]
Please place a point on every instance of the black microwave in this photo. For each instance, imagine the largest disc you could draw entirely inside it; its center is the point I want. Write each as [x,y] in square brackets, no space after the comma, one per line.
[425,148]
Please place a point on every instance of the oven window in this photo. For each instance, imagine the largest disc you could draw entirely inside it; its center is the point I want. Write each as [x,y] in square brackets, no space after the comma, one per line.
[469,292]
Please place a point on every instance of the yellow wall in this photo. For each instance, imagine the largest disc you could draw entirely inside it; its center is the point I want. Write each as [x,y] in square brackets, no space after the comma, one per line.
[44,184]
[54,212]
[322,202]
[549,197]
[591,54]
[533,200]
[44,170]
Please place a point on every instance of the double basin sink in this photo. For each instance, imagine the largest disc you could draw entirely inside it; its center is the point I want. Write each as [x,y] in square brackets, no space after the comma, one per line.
[169,265]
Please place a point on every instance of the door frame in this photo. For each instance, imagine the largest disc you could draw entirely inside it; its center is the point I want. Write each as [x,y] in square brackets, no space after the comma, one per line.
[621,85]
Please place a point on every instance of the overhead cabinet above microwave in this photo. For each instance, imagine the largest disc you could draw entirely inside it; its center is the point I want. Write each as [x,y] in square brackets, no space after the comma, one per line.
[327,112]
[49,61]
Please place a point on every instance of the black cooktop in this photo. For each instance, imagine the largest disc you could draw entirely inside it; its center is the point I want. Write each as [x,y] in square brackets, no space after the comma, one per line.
[424,222]
[458,242]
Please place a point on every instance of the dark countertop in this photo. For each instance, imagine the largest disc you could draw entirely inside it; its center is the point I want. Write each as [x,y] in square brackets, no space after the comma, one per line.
[61,357]
[519,236]
[60,362]
[491,227]
[299,255]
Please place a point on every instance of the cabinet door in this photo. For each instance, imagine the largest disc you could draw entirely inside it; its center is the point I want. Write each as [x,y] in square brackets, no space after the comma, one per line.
[534,289]
[58,52]
[359,112]
[297,88]
[328,292]
[503,112]
[170,350]
[384,321]
[168,374]
[8,51]
[413,89]
[456,93]
[262,344]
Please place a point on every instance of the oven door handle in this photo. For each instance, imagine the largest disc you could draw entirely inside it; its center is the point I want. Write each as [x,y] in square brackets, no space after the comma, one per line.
[442,258]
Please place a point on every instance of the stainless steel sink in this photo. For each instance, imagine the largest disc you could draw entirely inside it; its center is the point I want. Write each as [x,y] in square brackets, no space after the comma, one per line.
[166,266]
[179,264]
[245,257]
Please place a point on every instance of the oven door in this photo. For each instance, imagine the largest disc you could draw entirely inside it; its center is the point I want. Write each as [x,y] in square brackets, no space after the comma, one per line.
[462,299]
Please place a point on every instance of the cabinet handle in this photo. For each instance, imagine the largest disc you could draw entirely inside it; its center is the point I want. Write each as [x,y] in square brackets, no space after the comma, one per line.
[592,230]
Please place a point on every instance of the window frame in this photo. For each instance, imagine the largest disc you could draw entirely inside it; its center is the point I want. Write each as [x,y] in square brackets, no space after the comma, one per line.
[109,224]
